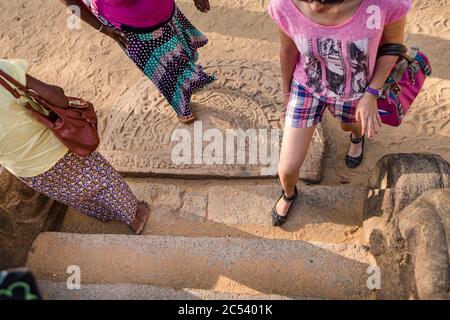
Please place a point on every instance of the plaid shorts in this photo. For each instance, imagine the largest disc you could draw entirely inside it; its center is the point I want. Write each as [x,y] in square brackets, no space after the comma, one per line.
[306,110]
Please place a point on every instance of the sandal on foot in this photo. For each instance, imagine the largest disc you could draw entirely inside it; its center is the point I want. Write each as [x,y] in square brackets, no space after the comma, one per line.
[353,162]
[186,119]
[278,220]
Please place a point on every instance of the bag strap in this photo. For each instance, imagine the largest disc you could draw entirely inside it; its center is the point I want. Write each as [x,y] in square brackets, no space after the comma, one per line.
[394,49]
[28,93]
[6,85]
[16,83]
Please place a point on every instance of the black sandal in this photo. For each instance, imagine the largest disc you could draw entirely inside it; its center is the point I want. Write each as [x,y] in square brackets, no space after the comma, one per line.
[352,162]
[278,220]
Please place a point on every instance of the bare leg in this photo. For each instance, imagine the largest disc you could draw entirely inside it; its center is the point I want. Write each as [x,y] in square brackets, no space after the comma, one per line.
[356,130]
[295,145]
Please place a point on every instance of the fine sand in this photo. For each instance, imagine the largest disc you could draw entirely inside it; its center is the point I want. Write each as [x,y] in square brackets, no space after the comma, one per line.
[92,66]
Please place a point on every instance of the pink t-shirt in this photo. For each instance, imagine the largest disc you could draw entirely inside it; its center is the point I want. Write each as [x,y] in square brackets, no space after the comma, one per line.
[338,61]
[135,13]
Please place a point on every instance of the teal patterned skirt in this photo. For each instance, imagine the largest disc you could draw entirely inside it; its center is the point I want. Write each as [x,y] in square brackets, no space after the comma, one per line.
[167,54]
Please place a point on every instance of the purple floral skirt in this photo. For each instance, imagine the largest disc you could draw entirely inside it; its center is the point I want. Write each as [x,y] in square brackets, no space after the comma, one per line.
[90,185]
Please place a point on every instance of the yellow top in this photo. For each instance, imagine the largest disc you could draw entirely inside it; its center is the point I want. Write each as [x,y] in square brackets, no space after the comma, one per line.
[27,147]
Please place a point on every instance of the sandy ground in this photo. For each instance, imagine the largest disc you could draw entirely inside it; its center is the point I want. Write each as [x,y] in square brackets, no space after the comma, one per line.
[90,65]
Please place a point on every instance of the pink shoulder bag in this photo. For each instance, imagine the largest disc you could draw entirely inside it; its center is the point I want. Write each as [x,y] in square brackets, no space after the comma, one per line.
[403,84]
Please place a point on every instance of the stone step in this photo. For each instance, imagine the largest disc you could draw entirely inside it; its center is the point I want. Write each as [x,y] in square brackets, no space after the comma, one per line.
[238,209]
[246,266]
[124,291]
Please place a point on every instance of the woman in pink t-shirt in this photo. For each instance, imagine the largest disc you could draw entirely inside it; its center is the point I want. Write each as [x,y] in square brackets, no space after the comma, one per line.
[159,39]
[329,61]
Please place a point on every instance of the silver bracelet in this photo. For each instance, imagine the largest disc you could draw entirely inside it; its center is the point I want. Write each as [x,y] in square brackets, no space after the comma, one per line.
[101,27]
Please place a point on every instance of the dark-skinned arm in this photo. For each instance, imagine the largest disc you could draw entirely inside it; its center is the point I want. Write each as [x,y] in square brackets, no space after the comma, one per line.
[88,17]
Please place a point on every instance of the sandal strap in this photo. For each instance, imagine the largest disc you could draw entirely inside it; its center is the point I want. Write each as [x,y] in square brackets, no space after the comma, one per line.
[354,160]
[283,194]
[356,140]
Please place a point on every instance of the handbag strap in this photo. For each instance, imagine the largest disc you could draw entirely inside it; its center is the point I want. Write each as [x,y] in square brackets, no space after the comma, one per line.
[394,49]
[6,85]
[27,92]
[16,83]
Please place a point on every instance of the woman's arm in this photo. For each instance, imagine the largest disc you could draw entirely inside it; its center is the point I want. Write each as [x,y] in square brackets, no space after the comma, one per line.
[393,33]
[86,14]
[88,17]
[367,112]
[289,56]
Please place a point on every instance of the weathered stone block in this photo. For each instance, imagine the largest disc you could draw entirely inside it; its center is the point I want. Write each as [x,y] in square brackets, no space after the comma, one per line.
[407,224]
[194,205]
[24,213]
[399,179]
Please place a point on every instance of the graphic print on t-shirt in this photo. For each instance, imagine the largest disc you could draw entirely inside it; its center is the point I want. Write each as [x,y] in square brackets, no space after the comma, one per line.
[313,69]
[358,55]
[334,77]
[331,52]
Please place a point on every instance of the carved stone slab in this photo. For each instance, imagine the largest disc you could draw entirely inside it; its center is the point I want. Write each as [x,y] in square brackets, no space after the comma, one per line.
[138,139]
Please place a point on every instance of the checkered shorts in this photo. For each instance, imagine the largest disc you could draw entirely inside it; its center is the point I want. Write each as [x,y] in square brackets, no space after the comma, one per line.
[306,110]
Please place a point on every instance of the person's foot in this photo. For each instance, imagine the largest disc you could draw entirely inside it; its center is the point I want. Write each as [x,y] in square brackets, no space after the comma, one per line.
[141,218]
[187,119]
[356,152]
[282,206]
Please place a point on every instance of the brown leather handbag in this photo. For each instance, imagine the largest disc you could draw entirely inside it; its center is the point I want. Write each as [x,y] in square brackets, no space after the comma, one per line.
[75,126]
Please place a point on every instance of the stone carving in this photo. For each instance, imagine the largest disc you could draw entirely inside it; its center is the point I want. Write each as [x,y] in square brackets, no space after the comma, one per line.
[24,213]
[407,218]
[399,179]
[247,95]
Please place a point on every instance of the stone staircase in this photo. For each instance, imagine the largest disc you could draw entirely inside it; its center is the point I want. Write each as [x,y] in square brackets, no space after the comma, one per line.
[213,240]
[209,234]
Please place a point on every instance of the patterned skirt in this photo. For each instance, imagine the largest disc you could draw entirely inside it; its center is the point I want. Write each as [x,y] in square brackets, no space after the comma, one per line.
[167,54]
[90,185]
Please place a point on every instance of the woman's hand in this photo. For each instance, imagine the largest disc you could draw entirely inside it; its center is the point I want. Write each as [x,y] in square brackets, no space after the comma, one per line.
[367,114]
[202,5]
[117,36]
